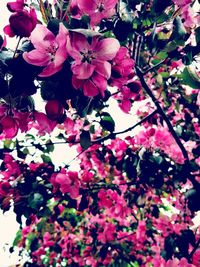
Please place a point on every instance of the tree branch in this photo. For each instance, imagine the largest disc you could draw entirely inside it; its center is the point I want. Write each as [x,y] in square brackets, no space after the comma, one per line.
[155,66]
[113,135]
[140,75]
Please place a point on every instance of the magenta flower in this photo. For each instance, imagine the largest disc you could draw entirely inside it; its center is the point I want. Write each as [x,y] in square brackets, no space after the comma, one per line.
[91,68]
[97,9]
[18,5]
[50,50]
[69,183]
[22,23]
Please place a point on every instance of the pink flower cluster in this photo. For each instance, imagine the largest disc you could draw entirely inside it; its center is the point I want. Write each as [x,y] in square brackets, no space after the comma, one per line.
[91,66]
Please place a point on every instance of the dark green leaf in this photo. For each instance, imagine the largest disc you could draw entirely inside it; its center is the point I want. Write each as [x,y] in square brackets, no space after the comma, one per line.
[190,77]
[35,201]
[108,123]
[45,158]
[85,139]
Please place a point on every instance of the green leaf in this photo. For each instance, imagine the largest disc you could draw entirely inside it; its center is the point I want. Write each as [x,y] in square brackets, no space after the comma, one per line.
[50,146]
[45,158]
[179,31]
[35,201]
[190,77]
[17,238]
[85,139]
[92,129]
[108,123]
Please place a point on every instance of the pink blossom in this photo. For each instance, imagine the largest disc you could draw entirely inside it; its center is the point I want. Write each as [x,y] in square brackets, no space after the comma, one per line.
[50,50]
[47,242]
[43,124]
[69,183]
[108,233]
[182,2]
[196,258]
[91,68]
[141,231]
[15,6]
[176,263]
[22,23]
[97,9]
[9,126]
[122,68]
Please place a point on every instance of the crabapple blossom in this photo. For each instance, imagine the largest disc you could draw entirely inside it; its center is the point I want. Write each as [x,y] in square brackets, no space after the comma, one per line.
[91,67]
[98,9]
[49,50]
[22,23]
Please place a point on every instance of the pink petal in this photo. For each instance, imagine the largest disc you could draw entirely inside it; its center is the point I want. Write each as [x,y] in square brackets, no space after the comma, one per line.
[50,70]
[79,42]
[87,6]
[44,124]
[61,39]
[103,68]
[7,30]
[15,6]
[83,71]
[100,82]
[96,18]
[77,84]
[125,105]
[62,179]
[74,192]
[107,48]
[109,3]
[41,37]
[36,58]
[90,89]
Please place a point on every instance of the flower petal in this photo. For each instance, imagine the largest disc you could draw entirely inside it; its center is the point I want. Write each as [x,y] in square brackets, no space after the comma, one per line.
[83,71]
[103,68]
[106,49]
[100,82]
[36,58]
[77,84]
[87,6]
[41,37]
[7,30]
[90,89]
[50,70]
[61,39]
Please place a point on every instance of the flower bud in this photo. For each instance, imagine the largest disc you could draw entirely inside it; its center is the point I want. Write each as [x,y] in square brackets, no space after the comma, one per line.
[54,110]
[22,23]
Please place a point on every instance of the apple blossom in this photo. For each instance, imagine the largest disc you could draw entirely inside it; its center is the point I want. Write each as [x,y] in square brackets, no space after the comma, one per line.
[50,50]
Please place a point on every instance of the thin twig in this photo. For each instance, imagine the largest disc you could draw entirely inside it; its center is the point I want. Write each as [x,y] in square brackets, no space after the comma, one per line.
[154,67]
[113,135]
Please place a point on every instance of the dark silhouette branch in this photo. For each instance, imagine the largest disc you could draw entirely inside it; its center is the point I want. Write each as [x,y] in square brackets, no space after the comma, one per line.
[140,75]
[113,135]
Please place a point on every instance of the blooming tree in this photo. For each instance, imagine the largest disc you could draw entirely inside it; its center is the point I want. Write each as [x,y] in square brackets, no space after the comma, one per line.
[133,196]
